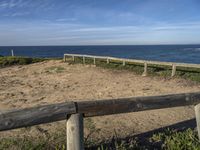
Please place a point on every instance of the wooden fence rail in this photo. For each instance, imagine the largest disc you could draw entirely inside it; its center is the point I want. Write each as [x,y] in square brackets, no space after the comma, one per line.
[74,112]
[145,62]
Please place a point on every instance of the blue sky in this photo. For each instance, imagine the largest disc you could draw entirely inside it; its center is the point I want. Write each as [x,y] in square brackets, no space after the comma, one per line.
[99,22]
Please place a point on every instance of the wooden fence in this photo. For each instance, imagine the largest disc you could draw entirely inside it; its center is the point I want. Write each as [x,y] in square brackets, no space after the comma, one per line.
[74,112]
[124,61]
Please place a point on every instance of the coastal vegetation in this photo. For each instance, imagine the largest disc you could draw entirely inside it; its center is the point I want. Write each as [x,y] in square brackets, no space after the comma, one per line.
[153,70]
[168,140]
[17,60]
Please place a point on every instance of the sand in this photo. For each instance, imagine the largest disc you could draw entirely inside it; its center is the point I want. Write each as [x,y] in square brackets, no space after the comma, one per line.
[54,81]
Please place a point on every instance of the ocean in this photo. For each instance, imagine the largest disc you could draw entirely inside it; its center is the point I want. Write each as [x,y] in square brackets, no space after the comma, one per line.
[171,53]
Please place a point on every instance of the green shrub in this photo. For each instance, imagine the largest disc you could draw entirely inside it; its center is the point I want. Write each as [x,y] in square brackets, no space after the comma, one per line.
[9,61]
[173,140]
[22,143]
[166,140]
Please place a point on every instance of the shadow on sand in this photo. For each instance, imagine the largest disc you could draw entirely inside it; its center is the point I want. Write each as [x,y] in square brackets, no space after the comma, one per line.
[143,137]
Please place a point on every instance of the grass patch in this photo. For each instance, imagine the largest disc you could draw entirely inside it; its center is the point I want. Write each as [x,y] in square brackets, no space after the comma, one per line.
[192,74]
[55,69]
[167,140]
[9,61]
[21,143]
[172,140]
[91,127]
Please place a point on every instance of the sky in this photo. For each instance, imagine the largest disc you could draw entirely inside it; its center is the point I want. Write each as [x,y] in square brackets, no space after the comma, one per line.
[99,22]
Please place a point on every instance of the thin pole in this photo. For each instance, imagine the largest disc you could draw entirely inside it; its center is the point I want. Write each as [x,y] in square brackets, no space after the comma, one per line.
[12,52]
[173,70]
[83,59]
[145,69]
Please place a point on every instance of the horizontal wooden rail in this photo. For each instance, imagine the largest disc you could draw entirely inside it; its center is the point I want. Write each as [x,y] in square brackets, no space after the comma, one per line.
[56,112]
[135,104]
[138,61]
[35,115]
[145,62]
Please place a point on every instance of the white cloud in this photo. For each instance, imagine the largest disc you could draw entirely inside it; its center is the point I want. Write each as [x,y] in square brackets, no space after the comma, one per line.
[66,19]
[16,14]
[55,33]
[5,4]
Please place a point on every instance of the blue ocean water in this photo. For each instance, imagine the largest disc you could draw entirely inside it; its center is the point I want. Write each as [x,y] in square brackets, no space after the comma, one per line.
[172,53]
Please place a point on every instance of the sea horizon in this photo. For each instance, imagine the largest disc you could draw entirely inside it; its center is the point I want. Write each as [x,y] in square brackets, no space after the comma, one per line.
[184,53]
[96,45]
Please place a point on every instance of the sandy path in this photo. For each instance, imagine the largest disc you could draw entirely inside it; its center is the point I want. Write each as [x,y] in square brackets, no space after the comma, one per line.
[41,83]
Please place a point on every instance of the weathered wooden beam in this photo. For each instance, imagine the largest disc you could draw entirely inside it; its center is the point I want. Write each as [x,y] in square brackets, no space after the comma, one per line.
[94,61]
[73,58]
[56,112]
[35,115]
[74,127]
[124,105]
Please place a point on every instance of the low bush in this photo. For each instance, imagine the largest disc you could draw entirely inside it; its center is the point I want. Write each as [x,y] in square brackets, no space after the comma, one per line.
[166,140]
[9,61]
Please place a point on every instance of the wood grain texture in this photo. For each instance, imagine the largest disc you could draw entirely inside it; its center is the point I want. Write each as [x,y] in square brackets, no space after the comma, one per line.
[56,112]
[75,138]
[36,115]
[134,104]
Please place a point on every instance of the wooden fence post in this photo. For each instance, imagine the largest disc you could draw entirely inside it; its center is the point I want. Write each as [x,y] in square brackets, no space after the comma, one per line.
[173,70]
[75,136]
[145,69]
[197,114]
[73,58]
[124,63]
[107,61]
[94,61]
[83,59]
[64,59]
